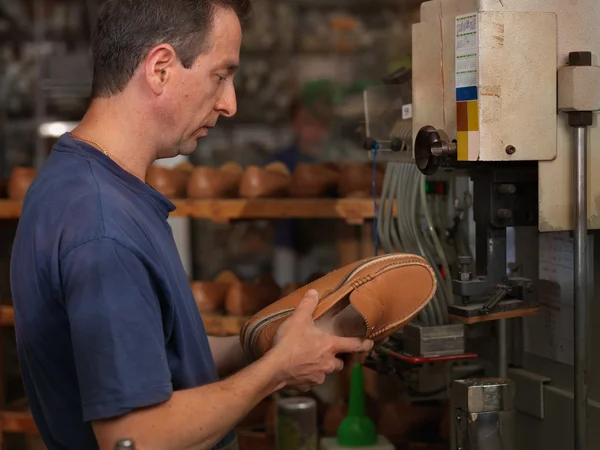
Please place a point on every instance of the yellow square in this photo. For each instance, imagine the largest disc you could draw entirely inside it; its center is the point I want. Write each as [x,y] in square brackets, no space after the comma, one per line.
[462,138]
[473,115]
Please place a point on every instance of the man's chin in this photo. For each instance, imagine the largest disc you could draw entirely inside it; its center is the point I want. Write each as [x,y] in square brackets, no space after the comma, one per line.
[189,147]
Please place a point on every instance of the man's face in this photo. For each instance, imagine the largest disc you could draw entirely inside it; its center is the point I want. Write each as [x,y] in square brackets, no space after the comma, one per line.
[310,131]
[199,95]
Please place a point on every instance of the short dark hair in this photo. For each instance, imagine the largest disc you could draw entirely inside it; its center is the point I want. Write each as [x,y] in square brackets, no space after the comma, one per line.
[128,29]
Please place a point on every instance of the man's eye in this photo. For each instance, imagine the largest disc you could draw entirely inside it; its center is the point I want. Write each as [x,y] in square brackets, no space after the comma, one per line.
[221,78]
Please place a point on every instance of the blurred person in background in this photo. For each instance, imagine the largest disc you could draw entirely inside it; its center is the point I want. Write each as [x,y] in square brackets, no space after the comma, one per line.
[304,248]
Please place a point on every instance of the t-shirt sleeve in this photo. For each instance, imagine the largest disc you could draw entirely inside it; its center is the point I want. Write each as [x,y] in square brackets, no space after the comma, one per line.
[116,330]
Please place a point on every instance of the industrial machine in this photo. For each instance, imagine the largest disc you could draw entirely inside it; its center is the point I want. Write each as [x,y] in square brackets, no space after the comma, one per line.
[505,92]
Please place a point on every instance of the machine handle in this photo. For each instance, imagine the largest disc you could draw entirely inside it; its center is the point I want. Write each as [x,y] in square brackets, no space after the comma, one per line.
[432,149]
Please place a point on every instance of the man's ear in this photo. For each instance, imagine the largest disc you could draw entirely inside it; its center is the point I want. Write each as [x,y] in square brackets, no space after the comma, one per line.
[160,62]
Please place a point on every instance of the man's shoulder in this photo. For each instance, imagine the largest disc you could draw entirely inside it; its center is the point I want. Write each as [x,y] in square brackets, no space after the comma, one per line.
[68,201]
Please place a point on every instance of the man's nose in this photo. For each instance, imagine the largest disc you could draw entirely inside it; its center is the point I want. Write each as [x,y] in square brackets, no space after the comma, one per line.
[227,104]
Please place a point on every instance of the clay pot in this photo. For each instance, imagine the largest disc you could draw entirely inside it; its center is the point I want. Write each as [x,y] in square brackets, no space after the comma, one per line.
[210,295]
[312,180]
[246,299]
[356,180]
[169,182]
[208,182]
[20,180]
[270,181]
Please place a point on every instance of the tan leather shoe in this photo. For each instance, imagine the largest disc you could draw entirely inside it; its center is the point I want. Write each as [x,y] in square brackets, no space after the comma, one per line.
[356,180]
[20,180]
[210,295]
[290,288]
[372,299]
[245,299]
[169,182]
[209,182]
[312,180]
[268,182]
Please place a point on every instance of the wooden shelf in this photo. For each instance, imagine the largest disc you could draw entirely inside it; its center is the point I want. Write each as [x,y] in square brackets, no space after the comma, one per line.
[17,422]
[353,210]
[10,209]
[7,316]
[215,325]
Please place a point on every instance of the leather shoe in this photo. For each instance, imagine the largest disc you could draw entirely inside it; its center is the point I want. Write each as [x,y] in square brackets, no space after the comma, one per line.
[312,180]
[371,299]
[169,182]
[268,182]
[209,182]
[356,180]
[245,299]
[210,295]
[20,180]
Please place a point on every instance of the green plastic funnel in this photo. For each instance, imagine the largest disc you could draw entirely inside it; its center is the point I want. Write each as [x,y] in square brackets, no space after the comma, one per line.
[357,429]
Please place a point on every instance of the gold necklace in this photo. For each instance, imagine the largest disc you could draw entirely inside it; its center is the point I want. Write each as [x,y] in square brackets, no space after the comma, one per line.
[90,142]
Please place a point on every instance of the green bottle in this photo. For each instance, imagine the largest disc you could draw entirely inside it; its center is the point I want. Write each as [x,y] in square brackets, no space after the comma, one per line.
[357,429]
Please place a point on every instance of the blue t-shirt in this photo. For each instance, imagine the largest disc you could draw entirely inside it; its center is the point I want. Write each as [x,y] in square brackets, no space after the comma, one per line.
[105,318]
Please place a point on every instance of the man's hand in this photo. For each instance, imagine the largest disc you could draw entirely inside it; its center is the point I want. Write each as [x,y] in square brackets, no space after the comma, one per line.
[308,354]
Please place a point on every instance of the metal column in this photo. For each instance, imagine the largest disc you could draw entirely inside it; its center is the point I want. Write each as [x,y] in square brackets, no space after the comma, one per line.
[580,121]
[581,288]
[484,414]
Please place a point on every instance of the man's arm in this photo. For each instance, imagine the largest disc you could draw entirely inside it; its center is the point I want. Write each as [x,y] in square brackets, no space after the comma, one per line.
[198,418]
[228,354]
[195,418]
[125,382]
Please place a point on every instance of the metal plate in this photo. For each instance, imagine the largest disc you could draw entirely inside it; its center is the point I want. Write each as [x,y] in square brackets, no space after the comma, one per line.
[577,26]
[529,391]
[517,85]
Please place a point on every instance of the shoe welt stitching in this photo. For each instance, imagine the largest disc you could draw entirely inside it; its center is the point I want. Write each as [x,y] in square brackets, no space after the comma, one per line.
[408,316]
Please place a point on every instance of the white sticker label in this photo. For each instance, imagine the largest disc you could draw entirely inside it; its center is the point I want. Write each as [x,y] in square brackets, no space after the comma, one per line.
[407,112]
[467,50]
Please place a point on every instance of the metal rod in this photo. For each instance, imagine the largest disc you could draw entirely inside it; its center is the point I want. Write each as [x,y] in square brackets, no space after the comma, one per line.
[502,349]
[581,289]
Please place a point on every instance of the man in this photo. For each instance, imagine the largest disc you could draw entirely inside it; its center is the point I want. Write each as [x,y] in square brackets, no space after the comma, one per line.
[311,116]
[110,342]
[306,247]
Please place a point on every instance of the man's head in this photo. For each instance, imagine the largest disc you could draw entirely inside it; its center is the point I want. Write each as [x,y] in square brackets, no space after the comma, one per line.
[312,115]
[174,60]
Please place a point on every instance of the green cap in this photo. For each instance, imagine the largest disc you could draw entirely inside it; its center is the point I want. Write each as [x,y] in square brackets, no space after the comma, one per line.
[357,429]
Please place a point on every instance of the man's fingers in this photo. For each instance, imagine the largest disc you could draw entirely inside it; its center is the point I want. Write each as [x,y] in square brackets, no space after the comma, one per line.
[308,304]
[351,345]
[339,365]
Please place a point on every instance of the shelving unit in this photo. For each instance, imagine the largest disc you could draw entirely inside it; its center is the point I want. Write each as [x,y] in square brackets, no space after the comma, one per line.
[354,211]
[351,212]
